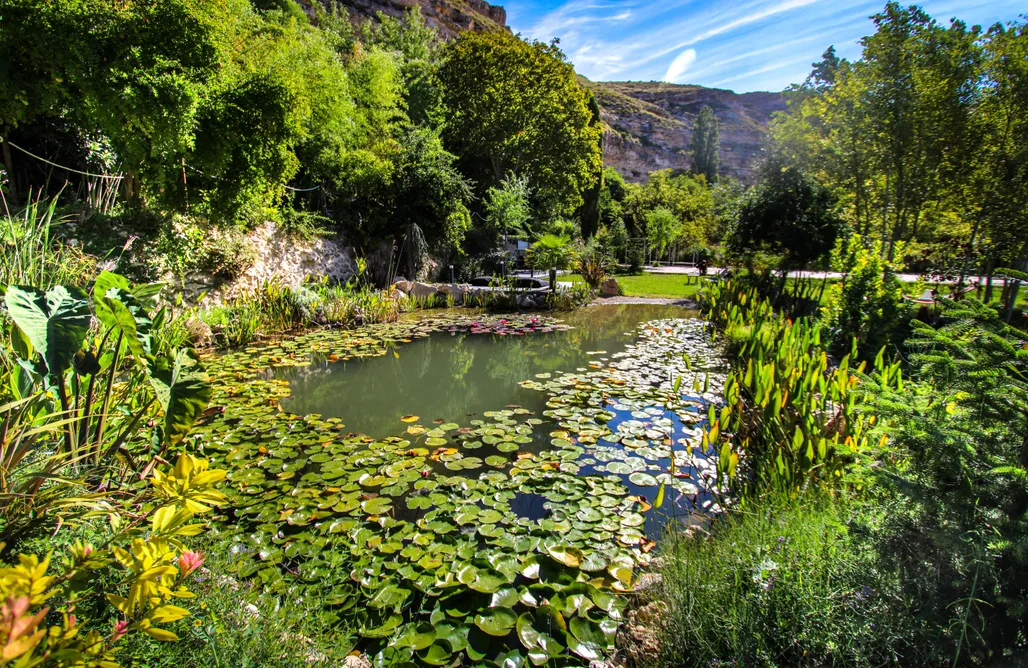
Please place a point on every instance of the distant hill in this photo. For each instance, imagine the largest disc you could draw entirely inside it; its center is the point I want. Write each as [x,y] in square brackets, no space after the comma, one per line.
[649,125]
[451,17]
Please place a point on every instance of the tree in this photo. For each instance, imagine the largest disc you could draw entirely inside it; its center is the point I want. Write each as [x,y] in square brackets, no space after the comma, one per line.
[515,107]
[552,252]
[822,76]
[663,227]
[788,216]
[706,146]
[687,197]
[507,207]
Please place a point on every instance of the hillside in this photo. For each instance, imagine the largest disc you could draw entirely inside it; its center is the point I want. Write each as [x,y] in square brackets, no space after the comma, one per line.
[449,16]
[649,125]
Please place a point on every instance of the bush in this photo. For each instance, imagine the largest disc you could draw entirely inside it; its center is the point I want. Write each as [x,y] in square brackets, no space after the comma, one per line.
[594,263]
[780,585]
[868,303]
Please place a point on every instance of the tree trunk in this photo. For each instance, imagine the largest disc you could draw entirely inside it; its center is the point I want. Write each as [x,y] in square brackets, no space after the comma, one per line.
[988,280]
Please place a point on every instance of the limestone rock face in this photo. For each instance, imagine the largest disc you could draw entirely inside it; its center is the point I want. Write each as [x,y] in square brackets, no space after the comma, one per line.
[423,290]
[610,287]
[648,126]
[451,17]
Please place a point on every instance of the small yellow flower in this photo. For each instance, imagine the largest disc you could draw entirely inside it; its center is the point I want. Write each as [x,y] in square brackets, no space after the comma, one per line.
[197,622]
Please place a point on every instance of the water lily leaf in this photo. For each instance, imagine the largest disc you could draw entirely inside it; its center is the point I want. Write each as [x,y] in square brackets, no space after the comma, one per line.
[643,479]
[526,631]
[569,556]
[587,631]
[439,653]
[410,418]
[377,506]
[496,621]
[504,598]
[390,596]
[587,650]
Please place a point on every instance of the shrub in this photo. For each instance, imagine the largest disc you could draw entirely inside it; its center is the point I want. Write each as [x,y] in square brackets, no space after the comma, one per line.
[39,624]
[594,263]
[867,304]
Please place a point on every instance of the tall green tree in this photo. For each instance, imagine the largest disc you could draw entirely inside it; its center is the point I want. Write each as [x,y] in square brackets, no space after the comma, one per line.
[788,216]
[515,107]
[706,146]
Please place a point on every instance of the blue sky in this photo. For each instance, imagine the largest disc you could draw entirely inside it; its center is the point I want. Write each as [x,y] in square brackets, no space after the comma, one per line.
[743,45]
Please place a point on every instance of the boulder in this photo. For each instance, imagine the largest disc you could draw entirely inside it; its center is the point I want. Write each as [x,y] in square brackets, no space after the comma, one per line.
[455,290]
[403,285]
[610,287]
[423,290]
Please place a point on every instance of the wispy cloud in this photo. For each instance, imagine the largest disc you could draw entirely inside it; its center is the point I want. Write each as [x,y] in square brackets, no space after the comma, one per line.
[680,65]
[750,44]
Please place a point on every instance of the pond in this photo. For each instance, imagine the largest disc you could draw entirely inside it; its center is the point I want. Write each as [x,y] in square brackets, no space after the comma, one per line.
[459,486]
[457,377]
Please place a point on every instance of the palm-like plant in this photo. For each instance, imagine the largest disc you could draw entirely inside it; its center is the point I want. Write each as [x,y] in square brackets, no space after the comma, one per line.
[553,252]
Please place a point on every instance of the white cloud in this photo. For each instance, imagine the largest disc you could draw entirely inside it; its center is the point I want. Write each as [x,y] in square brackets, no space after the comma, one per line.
[680,65]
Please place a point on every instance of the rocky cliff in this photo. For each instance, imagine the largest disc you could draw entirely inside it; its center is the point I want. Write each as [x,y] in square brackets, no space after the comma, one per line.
[648,126]
[449,16]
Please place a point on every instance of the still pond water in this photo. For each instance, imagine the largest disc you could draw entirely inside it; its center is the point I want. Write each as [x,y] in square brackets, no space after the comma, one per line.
[460,377]
[456,377]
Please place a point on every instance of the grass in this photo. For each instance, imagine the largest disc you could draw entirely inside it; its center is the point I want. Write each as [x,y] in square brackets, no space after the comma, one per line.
[236,625]
[779,585]
[671,286]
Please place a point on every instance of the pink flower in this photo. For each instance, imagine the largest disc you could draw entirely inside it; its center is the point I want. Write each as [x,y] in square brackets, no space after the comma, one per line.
[120,629]
[190,561]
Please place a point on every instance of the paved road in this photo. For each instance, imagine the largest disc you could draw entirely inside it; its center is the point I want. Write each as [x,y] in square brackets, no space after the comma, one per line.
[693,271]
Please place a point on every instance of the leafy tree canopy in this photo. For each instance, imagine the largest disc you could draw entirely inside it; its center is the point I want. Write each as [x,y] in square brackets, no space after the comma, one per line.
[516,107]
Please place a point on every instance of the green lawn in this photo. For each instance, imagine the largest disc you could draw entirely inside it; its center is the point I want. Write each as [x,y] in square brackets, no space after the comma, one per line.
[652,285]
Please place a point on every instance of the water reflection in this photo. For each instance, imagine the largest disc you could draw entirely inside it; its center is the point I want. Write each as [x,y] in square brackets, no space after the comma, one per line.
[453,377]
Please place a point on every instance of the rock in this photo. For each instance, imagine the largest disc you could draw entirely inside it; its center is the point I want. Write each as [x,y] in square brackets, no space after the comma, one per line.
[639,636]
[449,17]
[610,287]
[403,285]
[650,126]
[453,289]
[423,290]
[397,295]
[357,661]
[199,333]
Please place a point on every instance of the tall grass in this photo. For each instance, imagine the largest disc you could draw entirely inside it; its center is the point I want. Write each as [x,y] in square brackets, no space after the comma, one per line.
[780,585]
[30,253]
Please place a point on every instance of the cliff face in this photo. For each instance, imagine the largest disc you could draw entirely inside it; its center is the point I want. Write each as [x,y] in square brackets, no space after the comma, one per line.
[648,126]
[451,17]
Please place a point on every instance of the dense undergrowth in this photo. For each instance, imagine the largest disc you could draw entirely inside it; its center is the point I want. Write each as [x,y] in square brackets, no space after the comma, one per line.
[880,511]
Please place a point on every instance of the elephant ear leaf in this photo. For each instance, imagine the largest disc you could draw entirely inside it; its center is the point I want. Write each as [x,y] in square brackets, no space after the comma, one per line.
[55,322]
[121,311]
[183,391]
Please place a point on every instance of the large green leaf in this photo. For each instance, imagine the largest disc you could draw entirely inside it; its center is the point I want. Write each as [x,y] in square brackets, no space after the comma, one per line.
[56,322]
[183,391]
[118,308]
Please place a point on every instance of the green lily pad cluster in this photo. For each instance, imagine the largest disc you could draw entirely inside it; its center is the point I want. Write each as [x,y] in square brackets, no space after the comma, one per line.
[506,541]
[644,430]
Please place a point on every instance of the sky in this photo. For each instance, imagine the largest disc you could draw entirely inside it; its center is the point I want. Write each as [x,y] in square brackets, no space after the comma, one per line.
[742,45]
